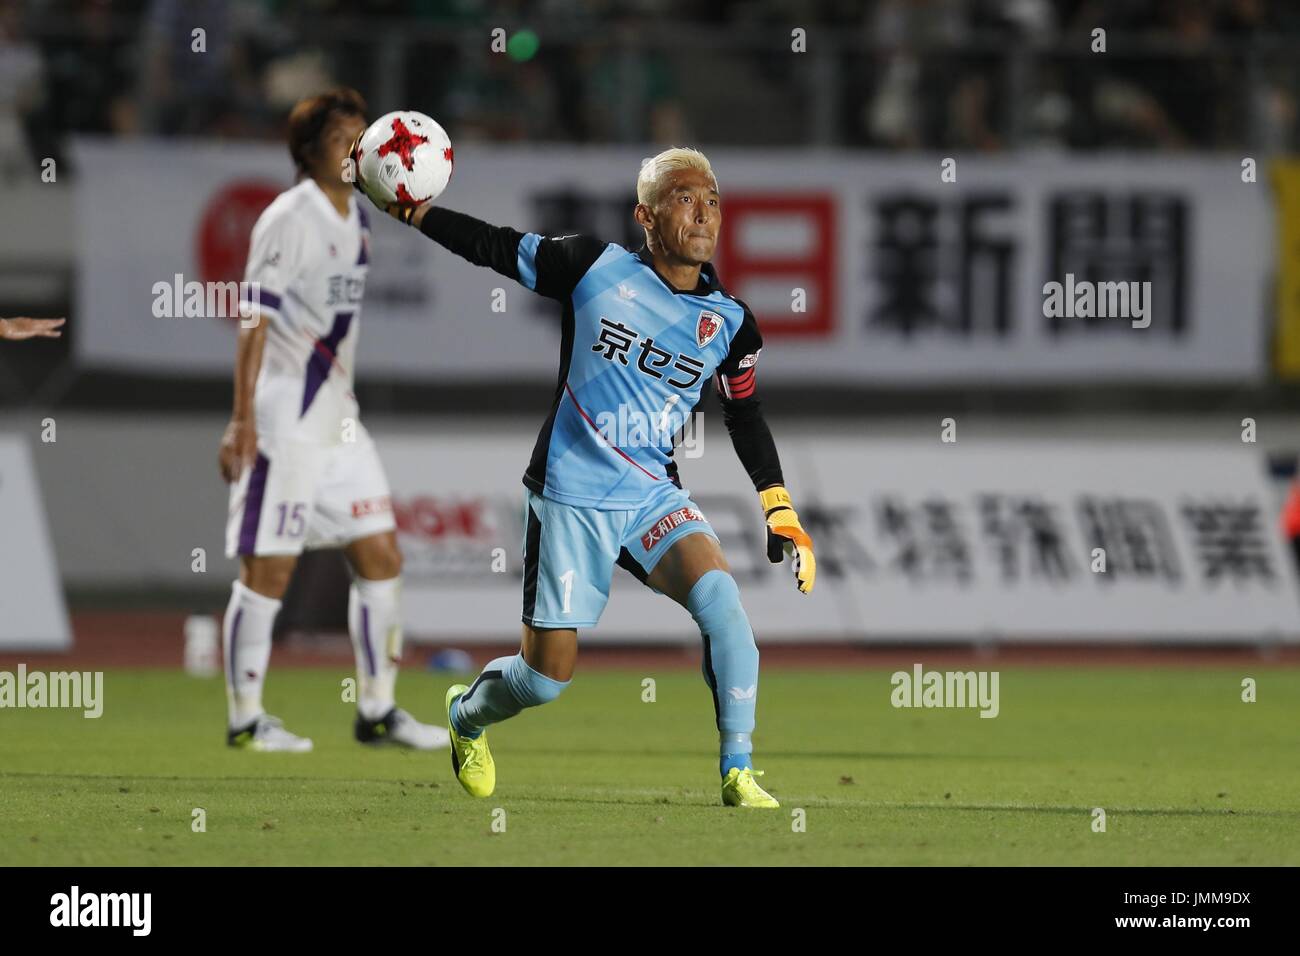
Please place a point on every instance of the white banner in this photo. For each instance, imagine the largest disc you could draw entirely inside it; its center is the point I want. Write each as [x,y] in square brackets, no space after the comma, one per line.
[860,270]
[32,613]
[1096,541]
[915,540]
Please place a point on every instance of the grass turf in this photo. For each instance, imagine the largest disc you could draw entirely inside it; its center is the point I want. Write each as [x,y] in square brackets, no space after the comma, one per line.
[1186,772]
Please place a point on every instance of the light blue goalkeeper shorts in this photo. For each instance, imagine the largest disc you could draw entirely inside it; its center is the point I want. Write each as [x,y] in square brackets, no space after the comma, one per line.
[570,552]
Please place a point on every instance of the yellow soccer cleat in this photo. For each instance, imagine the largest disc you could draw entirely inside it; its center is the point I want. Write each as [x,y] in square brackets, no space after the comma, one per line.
[471,760]
[740,789]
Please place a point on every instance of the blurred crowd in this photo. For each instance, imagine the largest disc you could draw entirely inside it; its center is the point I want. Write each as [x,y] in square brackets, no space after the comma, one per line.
[1174,74]
[883,74]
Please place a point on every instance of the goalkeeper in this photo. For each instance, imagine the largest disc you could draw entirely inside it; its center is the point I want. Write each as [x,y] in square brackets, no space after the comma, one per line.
[642,333]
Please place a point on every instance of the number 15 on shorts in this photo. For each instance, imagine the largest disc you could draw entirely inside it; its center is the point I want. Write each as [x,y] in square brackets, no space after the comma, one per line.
[292,519]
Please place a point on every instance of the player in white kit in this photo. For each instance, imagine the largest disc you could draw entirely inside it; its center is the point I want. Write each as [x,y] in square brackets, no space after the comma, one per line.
[305,472]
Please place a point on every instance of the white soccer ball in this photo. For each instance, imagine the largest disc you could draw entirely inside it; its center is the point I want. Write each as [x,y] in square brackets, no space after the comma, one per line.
[404,158]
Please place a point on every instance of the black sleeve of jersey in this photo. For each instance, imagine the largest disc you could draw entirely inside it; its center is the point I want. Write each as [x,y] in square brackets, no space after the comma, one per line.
[561,262]
[742,412]
[753,441]
[556,267]
[745,346]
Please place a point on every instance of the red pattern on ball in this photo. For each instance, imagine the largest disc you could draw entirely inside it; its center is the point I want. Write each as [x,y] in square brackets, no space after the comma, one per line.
[403,142]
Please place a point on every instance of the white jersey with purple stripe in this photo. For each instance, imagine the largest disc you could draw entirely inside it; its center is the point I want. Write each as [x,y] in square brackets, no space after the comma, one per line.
[307,272]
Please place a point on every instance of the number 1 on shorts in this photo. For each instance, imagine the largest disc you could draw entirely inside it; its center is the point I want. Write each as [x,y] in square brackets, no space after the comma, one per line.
[567,578]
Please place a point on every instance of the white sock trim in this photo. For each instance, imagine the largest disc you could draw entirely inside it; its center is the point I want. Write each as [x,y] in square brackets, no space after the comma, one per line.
[378,590]
[248,595]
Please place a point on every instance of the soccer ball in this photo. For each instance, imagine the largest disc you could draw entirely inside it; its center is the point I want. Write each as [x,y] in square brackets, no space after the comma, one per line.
[404,158]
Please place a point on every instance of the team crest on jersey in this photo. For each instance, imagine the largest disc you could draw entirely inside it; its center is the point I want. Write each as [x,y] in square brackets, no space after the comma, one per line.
[707,330]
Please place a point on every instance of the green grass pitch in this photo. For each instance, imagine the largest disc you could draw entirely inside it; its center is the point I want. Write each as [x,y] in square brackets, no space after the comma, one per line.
[1186,772]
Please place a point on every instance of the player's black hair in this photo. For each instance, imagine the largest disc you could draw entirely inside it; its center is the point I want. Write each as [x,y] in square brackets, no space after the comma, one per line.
[310,117]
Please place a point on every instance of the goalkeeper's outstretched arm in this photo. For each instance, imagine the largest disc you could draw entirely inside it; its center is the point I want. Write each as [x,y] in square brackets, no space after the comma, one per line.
[473,239]
[550,266]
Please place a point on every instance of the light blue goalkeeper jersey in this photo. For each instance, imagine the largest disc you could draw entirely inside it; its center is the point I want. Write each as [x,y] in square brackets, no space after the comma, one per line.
[635,354]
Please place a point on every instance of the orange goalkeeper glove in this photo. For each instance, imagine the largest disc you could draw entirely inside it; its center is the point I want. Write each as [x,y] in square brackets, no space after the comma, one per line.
[785,535]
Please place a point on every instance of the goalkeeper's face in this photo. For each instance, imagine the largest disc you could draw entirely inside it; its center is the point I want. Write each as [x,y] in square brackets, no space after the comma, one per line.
[687,217]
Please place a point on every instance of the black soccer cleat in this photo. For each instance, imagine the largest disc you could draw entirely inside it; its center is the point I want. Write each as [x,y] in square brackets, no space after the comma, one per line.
[399,727]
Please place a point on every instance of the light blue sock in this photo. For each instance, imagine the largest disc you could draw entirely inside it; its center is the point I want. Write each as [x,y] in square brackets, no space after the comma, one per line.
[730,664]
[506,686]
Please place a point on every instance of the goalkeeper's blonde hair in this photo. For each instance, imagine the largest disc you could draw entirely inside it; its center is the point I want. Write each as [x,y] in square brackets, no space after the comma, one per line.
[650,181]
